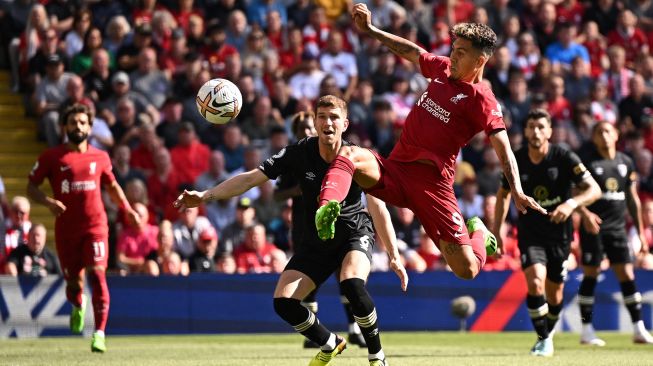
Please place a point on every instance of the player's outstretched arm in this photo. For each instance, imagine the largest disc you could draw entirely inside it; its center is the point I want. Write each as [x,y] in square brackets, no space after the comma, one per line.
[500,212]
[399,46]
[387,236]
[37,195]
[501,146]
[231,187]
[118,197]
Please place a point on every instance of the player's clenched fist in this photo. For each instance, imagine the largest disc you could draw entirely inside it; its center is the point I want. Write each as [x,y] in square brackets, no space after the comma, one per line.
[189,199]
[362,17]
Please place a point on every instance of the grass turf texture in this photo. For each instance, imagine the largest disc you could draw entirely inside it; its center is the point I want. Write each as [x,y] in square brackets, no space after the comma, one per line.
[402,348]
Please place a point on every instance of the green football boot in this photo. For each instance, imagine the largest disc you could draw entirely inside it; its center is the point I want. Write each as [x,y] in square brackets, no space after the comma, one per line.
[77,317]
[474,224]
[324,358]
[98,343]
[325,219]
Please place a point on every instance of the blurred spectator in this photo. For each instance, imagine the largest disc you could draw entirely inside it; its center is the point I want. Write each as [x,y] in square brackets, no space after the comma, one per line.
[98,78]
[315,33]
[275,30]
[172,63]
[578,82]
[279,261]
[558,106]
[518,102]
[290,57]
[266,207]
[186,9]
[118,33]
[644,67]
[226,264]
[570,11]
[511,33]
[381,131]
[340,64]
[149,80]
[627,35]
[60,13]
[24,47]
[143,11]
[190,157]
[81,62]
[163,184]
[233,148]
[257,127]
[601,107]
[247,88]
[401,98]
[104,11]
[281,226]
[604,13]
[101,136]
[237,30]
[217,50]
[214,175]
[187,230]
[527,56]
[121,89]
[234,234]
[545,25]
[49,94]
[470,202]
[281,99]
[299,11]
[221,214]
[617,75]
[125,126]
[440,40]
[203,259]
[499,72]
[596,46]
[165,260]
[38,63]
[644,164]
[306,82]
[499,13]
[258,9]
[562,52]
[143,154]
[637,107]
[419,14]
[254,254]
[473,152]
[489,177]
[33,258]
[121,167]
[385,70]
[128,54]
[251,160]
[74,39]
[136,242]
[163,25]
[195,35]
[430,252]
[17,227]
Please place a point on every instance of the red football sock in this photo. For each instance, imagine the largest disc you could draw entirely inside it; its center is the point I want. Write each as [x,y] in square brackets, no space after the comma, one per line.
[337,180]
[98,281]
[478,247]
[74,296]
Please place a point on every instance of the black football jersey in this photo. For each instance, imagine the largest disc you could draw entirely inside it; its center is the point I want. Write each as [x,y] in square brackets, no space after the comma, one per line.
[549,183]
[615,177]
[303,162]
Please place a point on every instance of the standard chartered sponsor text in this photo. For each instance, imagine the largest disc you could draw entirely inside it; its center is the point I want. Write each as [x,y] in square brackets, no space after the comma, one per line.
[435,109]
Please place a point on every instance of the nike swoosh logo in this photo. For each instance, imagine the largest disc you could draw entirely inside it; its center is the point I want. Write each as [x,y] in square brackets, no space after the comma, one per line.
[457,234]
[215,104]
[64,168]
[437,80]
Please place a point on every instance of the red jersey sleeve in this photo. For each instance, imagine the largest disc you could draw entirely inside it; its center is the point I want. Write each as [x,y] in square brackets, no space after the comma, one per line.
[488,114]
[41,169]
[432,65]
[107,171]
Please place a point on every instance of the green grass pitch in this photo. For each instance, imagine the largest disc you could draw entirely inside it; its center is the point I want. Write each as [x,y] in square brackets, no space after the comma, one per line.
[402,349]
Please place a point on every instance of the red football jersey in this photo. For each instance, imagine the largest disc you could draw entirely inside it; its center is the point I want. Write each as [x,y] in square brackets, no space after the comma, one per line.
[76,180]
[445,117]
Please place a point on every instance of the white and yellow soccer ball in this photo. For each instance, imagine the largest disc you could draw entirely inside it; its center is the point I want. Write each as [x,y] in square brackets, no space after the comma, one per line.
[219,101]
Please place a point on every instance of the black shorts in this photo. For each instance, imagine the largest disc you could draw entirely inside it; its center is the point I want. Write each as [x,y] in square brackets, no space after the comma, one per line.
[614,245]
[554,257]
[319,259]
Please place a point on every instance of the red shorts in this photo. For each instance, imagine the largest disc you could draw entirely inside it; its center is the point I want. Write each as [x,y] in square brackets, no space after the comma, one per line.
[77,252]
[421,188]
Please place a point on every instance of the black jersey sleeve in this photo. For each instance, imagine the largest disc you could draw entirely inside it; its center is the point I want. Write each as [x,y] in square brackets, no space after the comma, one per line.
[632,172]
[280,163]
[578,170]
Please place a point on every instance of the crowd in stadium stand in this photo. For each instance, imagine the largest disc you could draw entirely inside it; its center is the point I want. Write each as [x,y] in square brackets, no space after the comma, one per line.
[139,63]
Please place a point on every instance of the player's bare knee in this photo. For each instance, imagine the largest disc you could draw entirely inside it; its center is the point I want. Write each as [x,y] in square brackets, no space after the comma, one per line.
[535,286]
[468,272]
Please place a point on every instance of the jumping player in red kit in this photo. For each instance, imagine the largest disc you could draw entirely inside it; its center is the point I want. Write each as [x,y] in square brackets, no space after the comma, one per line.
[75,171]
[419,172]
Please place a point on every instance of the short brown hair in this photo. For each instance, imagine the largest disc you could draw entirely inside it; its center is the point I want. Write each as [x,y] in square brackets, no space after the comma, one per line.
[75,109]
[482,37]
[538,113]
[332,101]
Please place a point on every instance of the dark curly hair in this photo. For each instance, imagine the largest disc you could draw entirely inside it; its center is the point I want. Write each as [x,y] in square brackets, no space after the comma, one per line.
[75,109]
[482,37]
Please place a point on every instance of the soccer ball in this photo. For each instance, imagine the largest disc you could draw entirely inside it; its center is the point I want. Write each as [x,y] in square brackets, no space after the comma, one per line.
[219,101]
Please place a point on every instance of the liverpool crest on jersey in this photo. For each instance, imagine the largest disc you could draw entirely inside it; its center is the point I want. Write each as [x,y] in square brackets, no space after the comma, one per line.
[458,98]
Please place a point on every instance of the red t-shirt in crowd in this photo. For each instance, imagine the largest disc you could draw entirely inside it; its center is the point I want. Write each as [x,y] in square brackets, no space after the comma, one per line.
[190,161]
[445,117]
[135,244]
[250,261]
[76,179]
